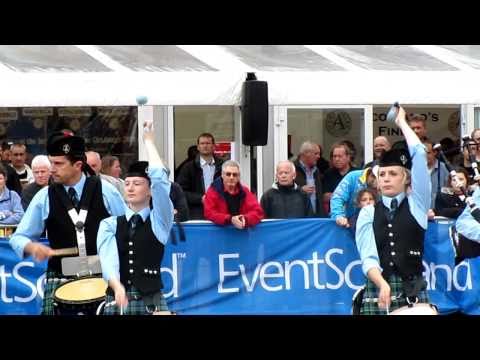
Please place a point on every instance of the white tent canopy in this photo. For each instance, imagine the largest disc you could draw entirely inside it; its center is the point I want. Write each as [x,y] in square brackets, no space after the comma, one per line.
[109,75]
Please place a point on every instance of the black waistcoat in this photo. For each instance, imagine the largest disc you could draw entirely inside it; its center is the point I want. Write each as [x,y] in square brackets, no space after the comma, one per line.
[140,257]
[399,242]
[60,228]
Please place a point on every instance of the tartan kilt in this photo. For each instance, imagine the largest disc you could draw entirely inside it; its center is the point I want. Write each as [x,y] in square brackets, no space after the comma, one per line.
[136,306]
[371,292]
[52,281]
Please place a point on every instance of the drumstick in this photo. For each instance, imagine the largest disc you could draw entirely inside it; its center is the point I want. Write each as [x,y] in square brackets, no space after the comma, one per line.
[65,251]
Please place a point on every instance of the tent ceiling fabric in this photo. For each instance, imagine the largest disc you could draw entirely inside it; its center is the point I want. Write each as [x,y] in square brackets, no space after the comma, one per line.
[75,75]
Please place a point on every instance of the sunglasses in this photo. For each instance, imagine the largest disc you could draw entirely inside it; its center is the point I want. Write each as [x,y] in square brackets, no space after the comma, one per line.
[229,174]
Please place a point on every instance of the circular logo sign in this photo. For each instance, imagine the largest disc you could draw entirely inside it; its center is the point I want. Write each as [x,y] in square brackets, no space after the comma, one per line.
[38,123]
[114,123]
[454,123]
[74,124]
[338,123]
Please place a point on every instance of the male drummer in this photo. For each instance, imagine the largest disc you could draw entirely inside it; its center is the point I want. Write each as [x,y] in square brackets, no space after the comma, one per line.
[48,210]
[131,247]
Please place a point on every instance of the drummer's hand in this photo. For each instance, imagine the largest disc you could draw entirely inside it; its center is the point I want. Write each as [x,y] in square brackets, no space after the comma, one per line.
[148,134]
[121,298]
[119,290]
[384,298]
[401,116]
[38,251]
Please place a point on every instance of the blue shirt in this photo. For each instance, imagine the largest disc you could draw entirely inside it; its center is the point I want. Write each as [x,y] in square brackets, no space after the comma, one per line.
[439,173]
[208,169]
[466,224]
[10,207]
[418,203]
[161,218]
[342,203]
[310,180]
[33,222]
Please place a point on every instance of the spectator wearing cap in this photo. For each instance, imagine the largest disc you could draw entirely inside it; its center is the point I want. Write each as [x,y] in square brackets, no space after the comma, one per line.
[52,207]
[390,234]
[131,247]
[41,173]
[343,201]
[227,201]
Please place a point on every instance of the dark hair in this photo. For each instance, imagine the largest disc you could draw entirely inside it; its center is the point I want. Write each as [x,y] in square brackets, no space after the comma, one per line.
[107,163]
[207,135]
[192,152]
[74,158]
[361,193]
[460,169]
[3,171]
[347,146]
[417,118]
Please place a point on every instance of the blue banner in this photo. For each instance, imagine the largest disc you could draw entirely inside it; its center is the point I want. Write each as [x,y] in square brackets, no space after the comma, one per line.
[304,266]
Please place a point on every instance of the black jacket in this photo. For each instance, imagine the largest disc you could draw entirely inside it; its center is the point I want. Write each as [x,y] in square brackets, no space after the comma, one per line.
[179,202]
[282,202]
[301,180]
[190,179]
[448,205]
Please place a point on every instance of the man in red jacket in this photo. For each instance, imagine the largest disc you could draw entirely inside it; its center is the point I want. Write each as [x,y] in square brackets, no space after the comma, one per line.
[229,202]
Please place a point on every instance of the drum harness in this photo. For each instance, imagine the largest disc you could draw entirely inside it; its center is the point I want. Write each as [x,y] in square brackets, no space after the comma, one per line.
[78,219]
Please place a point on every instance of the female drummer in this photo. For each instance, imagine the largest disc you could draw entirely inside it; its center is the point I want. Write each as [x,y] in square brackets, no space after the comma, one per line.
[131,246]
[390,234]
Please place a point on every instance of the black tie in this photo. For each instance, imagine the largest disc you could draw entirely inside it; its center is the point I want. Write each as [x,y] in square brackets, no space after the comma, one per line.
[393,208]
[73,196]
[134,221]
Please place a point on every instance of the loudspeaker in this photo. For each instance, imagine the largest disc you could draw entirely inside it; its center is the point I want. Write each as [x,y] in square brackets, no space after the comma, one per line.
[255,113]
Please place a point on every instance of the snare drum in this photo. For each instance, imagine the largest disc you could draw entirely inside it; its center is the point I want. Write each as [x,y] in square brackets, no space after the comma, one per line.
[416,309]
[81,296]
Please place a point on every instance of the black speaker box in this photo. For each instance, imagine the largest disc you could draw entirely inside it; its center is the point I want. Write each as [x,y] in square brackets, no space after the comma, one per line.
[255,113]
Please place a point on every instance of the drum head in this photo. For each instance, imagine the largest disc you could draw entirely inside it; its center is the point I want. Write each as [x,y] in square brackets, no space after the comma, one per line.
[81,290]
[416,309]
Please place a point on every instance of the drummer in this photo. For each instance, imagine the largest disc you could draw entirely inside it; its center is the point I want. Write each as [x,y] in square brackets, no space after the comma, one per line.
[390,234]
[48,209]
[131,247]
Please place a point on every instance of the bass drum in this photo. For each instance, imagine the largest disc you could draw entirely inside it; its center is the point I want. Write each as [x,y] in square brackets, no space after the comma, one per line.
[416,309]
[81,296]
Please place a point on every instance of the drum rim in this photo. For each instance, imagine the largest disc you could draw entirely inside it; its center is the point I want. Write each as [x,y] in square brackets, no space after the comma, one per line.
[78,302]
[429,305]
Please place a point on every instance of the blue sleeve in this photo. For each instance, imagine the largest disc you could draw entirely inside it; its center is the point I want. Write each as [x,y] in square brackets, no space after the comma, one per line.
[112,199]
[32,224]
[421,190]
[162,212]
[466,224]
[341,196]
[107,248]
[16,210]
[365,239]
